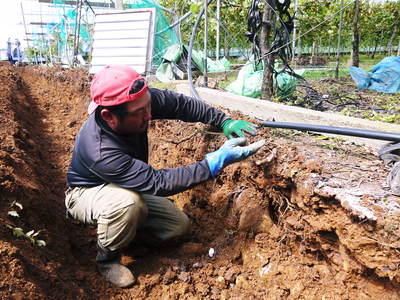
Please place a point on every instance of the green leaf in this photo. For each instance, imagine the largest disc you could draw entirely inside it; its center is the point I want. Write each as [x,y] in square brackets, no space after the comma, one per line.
[30,233]
[323,137]
[13,213]
[41,243]
[194,8]
[18,232]
[19,205]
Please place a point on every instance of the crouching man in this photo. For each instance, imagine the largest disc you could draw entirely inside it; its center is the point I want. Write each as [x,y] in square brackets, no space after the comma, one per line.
[110,183]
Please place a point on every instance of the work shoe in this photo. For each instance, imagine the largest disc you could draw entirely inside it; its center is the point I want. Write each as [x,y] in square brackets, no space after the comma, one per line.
[108,265]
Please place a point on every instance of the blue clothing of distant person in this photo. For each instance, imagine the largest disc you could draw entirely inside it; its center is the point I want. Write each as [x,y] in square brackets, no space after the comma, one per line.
[9,51]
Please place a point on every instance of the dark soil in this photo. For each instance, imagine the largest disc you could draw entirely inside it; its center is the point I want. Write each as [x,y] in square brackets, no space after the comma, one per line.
[303,219]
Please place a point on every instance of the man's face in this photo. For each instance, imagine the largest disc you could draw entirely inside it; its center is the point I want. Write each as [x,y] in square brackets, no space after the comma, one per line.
[136,118]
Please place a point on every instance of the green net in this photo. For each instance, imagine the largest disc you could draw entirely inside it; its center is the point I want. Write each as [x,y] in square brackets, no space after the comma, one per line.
[165,35]
[55,41]
[174,63]
[64,31]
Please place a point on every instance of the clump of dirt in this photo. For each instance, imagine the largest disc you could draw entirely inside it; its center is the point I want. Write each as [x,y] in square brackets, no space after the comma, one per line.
[302,219]
[306,60]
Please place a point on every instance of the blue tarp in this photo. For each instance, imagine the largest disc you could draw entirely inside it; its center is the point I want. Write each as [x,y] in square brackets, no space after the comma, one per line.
[383,77]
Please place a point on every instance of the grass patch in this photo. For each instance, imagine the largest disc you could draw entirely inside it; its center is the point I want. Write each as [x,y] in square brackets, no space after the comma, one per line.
[320,74]
[366,62]
[224,83]
[163,85]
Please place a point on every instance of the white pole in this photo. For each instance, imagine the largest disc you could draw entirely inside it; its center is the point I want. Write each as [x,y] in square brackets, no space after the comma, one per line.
[23,19]
[205,43]
[218,20]
[119,4]
[338,41]
[296,6]
[398,49]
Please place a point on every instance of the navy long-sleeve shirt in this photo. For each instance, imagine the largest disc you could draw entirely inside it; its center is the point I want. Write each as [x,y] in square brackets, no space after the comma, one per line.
[101,156]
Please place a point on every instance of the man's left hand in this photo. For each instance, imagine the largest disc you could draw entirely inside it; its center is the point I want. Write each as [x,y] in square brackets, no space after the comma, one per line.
[238,127]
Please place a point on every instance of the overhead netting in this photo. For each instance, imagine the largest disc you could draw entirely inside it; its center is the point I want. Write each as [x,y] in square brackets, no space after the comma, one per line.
[165,35]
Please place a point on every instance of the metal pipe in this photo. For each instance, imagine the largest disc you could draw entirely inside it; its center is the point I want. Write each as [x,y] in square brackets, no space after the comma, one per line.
[218,25]
[296,7]
[205,43]
[369,134]
[189,60]
[23,19]
[338,42]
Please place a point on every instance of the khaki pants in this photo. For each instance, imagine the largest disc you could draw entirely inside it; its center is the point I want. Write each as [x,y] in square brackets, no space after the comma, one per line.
[119,213]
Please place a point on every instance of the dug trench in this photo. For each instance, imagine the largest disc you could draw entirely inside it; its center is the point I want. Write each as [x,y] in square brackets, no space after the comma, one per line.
[305,218]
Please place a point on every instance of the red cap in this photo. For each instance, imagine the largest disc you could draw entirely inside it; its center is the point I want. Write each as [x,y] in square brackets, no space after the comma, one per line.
[111,86]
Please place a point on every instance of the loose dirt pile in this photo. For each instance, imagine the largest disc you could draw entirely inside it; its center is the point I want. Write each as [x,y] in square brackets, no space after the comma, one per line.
[304,219]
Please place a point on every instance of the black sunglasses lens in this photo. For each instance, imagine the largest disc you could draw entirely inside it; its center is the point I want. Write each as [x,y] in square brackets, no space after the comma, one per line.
[137,86]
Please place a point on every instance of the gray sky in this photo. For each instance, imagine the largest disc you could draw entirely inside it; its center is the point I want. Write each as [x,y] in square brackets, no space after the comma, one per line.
[11,15]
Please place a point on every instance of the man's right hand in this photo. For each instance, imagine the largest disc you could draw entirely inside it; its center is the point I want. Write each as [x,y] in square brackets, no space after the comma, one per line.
[230,152]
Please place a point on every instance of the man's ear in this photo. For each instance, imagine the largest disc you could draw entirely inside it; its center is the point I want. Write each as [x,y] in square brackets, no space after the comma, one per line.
[107,116]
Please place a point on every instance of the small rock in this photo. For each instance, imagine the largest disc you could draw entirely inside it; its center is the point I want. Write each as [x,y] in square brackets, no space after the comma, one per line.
[202,288]
[323,271]
[211,252]
[197,265]
[185,277]
[169,277]
[242,282]
[296,290]
[215,293]
[220,271]
[231,274]
[264,270]
[220,282]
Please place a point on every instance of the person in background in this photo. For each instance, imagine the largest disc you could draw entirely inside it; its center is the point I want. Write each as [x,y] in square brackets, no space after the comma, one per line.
[110,182]
[16,52]
[9,52]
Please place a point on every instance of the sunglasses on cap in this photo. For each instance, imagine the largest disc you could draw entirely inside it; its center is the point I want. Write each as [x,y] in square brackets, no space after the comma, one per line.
[138,86]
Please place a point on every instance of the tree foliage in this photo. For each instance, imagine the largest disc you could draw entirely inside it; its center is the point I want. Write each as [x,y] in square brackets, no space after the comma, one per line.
[376,22]
[233,16]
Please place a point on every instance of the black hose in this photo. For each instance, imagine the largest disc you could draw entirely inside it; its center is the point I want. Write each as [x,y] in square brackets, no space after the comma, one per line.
[369,134]
[189,61]
[87,2]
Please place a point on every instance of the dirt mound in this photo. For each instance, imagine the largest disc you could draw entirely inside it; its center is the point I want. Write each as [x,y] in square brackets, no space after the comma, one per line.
[306,60]
[304,219]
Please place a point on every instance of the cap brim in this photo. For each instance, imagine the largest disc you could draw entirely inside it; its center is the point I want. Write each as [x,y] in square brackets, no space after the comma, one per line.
[92,107]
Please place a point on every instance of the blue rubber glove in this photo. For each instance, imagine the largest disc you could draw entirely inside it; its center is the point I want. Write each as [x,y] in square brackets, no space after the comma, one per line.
[231,152]
[237,127]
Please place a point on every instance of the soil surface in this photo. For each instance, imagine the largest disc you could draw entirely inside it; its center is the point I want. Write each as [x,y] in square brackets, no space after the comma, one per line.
[305,218]
[342,96]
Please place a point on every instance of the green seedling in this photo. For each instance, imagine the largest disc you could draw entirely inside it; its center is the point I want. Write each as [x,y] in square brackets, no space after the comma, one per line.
[14,213]
[330,147]
[19,232]
[31,235]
